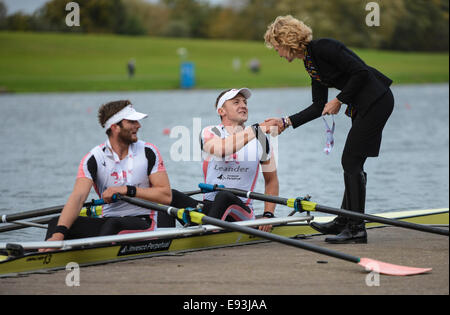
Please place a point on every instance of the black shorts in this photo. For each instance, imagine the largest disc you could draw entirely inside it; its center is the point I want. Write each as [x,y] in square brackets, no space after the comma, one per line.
[226,206]
[90,227]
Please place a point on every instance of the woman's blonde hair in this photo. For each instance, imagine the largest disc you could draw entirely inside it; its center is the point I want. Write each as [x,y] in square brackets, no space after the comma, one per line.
[289,32]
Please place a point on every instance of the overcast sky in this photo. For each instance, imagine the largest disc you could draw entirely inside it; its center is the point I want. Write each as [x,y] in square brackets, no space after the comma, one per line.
[29,6]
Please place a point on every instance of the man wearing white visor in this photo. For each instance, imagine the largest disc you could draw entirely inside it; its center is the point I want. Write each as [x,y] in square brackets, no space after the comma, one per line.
[123,164]
[232,156]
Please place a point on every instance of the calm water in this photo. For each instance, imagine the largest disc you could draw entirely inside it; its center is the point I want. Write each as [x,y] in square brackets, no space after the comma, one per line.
[44,136]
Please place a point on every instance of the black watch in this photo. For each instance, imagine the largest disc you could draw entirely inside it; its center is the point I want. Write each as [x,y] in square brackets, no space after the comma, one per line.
[131,191]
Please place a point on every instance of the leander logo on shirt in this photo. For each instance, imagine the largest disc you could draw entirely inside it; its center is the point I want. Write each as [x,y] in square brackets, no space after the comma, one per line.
[231,172]
[234,169]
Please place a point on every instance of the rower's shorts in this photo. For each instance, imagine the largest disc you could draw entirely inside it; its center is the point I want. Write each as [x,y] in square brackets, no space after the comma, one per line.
[91,227]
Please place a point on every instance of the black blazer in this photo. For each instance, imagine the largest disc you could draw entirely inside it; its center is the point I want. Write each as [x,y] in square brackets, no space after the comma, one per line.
[341,68]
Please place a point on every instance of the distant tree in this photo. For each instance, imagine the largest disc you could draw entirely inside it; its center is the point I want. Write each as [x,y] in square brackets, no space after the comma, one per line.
[424,26]
[103,16]
[176,28]
[221,23]
[3,14]
[54,15]
[254,18]
[19,22]
[404,24]
[187,16]
[152,17]
[96,16]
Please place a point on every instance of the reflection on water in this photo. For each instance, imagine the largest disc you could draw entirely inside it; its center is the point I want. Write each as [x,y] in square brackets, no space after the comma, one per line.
[44,136]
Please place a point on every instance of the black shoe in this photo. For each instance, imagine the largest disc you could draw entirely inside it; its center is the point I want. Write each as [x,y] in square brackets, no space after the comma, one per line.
[352,234]
[355,199]
[333,227]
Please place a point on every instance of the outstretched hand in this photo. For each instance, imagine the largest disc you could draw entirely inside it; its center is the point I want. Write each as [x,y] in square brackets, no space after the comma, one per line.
[275,126]
[332,107]
[271,126]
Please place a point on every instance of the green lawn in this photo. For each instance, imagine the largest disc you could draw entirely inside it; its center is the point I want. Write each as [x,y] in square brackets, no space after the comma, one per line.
[41,62]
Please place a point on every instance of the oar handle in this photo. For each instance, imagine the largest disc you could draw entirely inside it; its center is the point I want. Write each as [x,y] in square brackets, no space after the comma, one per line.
[243,193]
[209,187]
[30,214]
[7,218]
[96,202]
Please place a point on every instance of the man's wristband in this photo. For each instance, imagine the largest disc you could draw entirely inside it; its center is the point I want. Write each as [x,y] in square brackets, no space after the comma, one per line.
[268,214]
[131,191]
[61,229]
[256,130]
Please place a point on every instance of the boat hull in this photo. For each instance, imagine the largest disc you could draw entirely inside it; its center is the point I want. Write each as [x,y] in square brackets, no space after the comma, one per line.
[58,259]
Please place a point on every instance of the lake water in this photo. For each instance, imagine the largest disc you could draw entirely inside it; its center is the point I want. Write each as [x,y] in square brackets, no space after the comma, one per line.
[44,136]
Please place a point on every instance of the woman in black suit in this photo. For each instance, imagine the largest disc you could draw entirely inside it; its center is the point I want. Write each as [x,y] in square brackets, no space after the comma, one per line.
[369,102]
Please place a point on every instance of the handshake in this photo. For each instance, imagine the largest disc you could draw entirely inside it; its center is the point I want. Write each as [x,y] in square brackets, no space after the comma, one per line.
[275,126]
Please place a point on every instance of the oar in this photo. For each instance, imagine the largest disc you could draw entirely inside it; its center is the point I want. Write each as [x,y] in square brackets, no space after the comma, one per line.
[199,218]
[15,218]
[14,226]
[9,218]
[301,204]
[30,224]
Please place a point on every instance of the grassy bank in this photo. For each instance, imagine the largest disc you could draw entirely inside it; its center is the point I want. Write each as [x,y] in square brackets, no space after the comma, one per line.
[41,62]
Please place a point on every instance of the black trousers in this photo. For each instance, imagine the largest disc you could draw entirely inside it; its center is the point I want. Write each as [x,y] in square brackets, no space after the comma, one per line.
[364,137]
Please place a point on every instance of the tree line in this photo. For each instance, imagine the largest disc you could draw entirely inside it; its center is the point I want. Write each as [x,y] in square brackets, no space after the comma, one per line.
[409,25]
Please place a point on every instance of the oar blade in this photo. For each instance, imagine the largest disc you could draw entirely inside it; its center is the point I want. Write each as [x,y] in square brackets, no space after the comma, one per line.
[391,269]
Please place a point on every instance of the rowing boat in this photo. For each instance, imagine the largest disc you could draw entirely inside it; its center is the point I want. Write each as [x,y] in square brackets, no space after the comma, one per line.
[99,250]
[106,249]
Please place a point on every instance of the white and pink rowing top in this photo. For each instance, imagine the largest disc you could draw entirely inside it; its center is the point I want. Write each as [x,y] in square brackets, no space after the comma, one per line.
[239,170]
[103,166]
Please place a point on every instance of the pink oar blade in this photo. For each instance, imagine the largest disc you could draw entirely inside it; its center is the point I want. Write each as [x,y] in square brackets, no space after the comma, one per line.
[390,269]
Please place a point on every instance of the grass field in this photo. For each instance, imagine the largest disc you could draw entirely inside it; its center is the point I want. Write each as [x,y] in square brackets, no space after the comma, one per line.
[44,62]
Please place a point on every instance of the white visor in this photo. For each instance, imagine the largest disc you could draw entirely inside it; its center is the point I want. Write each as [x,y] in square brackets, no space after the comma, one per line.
[128,113]
[232,94]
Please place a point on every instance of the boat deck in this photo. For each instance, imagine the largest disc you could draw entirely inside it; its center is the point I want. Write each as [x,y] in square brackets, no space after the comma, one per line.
[261,269]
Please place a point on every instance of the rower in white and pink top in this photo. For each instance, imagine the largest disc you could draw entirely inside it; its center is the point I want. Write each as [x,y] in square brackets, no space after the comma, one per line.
[122,165]
[238,170]
[233,156]
[104,167]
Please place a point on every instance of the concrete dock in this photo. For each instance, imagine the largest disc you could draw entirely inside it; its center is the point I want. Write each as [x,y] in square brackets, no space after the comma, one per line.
[262,269]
